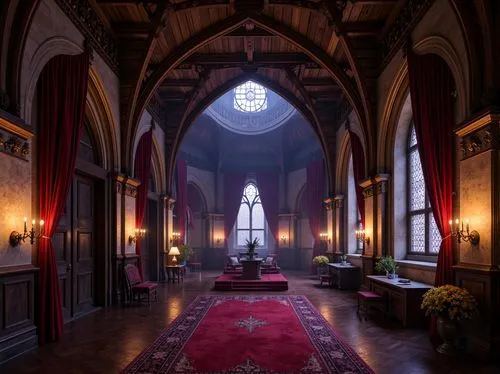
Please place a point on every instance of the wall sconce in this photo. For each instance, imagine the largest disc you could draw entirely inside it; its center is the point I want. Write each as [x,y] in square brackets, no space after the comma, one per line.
[15,238]
[138,234]
[175,236]
[361,236]
[325,237]
[465,235]
[284,238]
[218,239]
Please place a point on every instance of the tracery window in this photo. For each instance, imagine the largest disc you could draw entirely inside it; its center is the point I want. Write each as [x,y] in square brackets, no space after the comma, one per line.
[251,222]
[250,97]
[423,235]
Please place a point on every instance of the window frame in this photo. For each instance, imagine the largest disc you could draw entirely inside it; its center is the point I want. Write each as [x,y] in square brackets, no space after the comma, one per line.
[251,204]
[426,211]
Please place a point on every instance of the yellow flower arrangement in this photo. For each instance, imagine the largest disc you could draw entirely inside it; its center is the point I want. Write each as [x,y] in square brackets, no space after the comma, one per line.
[449,302]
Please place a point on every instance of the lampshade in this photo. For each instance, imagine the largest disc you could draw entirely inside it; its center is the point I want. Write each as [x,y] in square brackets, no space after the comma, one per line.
[174,251]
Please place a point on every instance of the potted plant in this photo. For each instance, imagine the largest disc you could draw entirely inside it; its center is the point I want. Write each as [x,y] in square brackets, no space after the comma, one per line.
[450,304]
[251,245]
[320,262]
[186,252]
[387,265]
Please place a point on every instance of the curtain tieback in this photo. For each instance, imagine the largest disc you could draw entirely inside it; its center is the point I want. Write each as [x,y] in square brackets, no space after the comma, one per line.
[45,237]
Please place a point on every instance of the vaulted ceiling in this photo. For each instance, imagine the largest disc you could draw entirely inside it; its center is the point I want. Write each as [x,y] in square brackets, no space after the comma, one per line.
[177,56]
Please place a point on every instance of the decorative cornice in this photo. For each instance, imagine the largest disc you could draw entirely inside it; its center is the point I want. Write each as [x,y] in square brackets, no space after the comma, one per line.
[477,123]
[395,37]
[14,137]
[93,29]
[329,203]
[369,191]
[125,185]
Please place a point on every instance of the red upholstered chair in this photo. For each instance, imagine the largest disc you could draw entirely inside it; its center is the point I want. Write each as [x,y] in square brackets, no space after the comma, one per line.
[367,299]
[137,287]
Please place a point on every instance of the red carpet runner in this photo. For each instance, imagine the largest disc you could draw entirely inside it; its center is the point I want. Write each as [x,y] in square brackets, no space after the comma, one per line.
[249,334]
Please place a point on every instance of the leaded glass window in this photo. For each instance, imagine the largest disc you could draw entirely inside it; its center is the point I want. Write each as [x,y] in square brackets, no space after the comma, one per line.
[251,222]
[250,97]
[423,235]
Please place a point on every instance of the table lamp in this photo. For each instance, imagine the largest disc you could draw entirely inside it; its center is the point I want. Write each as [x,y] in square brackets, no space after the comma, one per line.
[174,251]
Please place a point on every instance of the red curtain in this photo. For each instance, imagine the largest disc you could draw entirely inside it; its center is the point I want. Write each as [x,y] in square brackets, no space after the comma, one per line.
[315,189]
[181,198]
[431,87]
[269,195]
[142,172]
[62,92]
[233,192]
[358,165]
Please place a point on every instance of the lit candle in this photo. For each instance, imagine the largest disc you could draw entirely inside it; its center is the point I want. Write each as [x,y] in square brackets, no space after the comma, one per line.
[25,220]
[467,224]
[32,222]
[450,222]
[42,222]
[456,222]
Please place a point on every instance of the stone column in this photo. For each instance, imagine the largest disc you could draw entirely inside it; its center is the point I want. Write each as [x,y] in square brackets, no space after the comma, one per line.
[216,254]
[330,211]
[369,252]
[380,238]
[477,266]
[169,226]
[340,245]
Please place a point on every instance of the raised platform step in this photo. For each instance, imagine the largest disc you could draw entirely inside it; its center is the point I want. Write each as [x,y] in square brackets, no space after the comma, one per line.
[268,282]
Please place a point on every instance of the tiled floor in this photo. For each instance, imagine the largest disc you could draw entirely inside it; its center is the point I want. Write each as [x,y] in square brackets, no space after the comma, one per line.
[105,341]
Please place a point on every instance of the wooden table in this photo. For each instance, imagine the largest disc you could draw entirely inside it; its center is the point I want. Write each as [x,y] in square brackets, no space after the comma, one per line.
[345,276]
[403,300]
[175,271]
[251,268]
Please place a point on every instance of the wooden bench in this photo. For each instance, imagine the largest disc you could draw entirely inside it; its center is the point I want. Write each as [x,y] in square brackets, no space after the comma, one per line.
[367,299]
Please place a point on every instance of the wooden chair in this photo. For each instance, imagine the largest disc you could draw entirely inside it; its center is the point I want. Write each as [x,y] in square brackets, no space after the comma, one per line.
[367,299]
[137,287]
[194,264]
[325,278]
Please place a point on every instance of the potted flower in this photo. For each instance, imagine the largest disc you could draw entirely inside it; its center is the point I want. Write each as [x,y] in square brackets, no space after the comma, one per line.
[387,265]
[450,304]
[251,245]
[186,252]
[320,262]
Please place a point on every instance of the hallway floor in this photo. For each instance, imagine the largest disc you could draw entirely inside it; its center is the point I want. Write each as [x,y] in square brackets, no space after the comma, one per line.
[107,340]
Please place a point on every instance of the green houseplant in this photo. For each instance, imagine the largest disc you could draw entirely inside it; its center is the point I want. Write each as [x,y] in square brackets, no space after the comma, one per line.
[251,245]
[451,305]
[186,252]
[387,265]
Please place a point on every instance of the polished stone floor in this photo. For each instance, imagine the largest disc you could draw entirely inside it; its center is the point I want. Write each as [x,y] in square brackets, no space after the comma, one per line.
[105,341]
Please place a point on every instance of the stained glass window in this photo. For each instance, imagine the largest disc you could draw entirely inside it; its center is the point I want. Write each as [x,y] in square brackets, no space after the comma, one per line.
[423,234]
[250,97]
[251,222]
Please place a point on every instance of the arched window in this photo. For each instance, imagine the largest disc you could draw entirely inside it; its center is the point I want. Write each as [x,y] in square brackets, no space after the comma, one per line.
[251,222]
[353,215]
[250,97]
[423,235]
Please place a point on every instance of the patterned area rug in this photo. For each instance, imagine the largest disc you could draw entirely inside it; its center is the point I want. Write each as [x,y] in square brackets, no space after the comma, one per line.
[249,334]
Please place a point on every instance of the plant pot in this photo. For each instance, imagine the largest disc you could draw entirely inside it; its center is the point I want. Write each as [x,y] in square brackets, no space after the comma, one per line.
[390,275]
[448,331]
[322,270]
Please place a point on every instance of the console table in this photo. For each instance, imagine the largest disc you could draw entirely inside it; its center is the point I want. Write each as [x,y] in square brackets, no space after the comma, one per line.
[251,269]
[345,276]
[403,299]
[175,272]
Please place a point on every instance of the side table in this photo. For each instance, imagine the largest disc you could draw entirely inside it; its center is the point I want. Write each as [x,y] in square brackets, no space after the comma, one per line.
[175,272]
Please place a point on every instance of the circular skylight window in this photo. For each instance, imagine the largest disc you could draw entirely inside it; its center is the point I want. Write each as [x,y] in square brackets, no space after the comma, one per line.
[250,97]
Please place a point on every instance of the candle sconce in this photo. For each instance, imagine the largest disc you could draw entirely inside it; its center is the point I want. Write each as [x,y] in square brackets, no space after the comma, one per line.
[175,237]
[138,234]
[466,235]
[218,239]
[16,238]
[325,237]
[284,239]
[361,236]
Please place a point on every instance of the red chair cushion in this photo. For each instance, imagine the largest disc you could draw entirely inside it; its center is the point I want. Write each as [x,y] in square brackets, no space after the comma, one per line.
[369,295]
[145,286]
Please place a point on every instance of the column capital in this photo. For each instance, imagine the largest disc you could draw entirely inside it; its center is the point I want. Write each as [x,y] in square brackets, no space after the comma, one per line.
[481,133]
[339,200]
[329,203]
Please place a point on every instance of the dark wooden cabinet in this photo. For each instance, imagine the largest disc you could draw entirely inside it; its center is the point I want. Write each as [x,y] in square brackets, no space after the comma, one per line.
[17,319]
[402,300]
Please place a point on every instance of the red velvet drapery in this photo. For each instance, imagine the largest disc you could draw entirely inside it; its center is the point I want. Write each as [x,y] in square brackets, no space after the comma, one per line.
[181,198]
[358,165]
[431,87]
[315,189]
[62,92]
[142,172]
[269,195]
[233,192]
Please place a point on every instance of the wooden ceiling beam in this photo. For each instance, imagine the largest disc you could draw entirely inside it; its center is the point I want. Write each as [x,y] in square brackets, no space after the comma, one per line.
[179,83]
[374,2]
[354,29]
[256,33]
[131,29]
[241,59]
[318,82]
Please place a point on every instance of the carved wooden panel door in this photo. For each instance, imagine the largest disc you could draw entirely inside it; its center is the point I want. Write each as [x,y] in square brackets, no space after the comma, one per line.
[74,246]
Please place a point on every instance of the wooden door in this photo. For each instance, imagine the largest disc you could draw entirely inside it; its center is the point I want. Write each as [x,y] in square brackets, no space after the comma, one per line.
[61,241]
[152,249]
[74,246]
[83,244]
